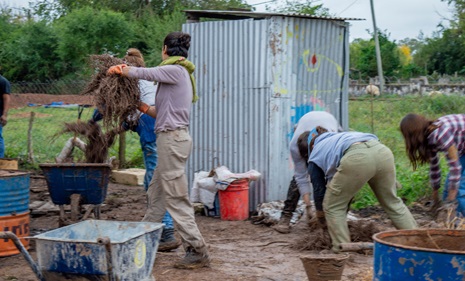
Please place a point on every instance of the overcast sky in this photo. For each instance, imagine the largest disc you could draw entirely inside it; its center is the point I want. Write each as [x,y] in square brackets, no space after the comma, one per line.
[400,18]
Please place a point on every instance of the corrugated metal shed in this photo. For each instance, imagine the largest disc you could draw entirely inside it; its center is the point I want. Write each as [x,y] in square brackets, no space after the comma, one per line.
[257,74]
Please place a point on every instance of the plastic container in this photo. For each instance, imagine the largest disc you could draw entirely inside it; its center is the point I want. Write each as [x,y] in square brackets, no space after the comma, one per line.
[234,201]
[95,249]
[86,179]
[19,225]
[215,211]
[419,254]
[14,192]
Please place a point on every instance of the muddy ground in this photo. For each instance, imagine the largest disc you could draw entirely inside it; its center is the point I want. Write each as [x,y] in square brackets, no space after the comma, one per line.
[240,250]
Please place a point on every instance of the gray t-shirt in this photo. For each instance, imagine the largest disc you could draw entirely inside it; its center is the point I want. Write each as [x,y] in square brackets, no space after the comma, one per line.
[174,96]
[329,148]
[307,123]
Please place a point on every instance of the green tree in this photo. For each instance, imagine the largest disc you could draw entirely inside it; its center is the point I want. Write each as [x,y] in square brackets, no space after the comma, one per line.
[57,8]
[29,53]
[444,54]
[306,7]
[86,31]
[363,57]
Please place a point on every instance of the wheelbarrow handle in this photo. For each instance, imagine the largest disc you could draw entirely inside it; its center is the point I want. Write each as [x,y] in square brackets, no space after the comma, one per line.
[353,247]
[24,252]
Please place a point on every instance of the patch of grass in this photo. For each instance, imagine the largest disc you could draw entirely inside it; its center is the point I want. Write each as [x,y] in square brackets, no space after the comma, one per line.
[388,111]
[47,143]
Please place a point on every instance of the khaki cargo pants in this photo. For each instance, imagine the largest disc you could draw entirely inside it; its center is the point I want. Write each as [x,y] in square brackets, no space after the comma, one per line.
[364,162]
[168,190]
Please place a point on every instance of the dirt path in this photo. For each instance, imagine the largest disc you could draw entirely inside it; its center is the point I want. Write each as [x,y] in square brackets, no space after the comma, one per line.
[240,250]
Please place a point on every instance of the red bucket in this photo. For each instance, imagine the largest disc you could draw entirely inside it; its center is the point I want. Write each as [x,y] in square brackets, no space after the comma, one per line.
[234,201]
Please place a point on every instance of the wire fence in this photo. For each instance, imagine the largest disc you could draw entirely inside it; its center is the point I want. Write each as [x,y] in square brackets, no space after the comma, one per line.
[51,87]
[76,86]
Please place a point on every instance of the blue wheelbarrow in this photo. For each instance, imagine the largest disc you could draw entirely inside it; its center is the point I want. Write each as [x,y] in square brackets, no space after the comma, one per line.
[95,250]
[77,184]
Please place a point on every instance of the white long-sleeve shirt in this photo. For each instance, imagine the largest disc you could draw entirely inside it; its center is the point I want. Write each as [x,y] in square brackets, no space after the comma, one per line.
[307,123]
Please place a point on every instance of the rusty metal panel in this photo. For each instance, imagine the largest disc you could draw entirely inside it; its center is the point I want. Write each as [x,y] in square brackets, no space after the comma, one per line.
[256,78]
[309,71]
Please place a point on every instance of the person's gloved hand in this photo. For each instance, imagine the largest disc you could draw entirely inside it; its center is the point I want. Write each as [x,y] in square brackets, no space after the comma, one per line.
[143,107]
[116,69]
[320,215]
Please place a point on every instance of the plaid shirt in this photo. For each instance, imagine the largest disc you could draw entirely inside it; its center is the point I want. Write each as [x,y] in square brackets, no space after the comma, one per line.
[451,131]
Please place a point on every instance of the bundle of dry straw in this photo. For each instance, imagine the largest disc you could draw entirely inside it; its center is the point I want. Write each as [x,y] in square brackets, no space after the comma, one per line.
[116,97]
[98,143]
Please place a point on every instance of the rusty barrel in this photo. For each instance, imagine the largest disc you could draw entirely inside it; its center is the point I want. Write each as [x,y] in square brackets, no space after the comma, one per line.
[19,225]
[419,254]
[14,209]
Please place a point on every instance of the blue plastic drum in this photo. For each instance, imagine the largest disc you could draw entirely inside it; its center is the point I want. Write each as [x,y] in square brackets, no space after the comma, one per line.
[14,192]
[419,254]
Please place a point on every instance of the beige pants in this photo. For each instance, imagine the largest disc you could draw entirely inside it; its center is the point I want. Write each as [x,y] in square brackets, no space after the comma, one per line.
[370,162]
[168,190]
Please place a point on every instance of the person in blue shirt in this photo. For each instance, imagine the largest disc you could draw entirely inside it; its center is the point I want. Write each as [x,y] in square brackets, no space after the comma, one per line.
[5,90]
[339,165]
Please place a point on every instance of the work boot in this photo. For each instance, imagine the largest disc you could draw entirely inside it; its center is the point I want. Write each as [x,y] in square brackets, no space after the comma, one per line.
[167,241]
[193,260]
[284,224]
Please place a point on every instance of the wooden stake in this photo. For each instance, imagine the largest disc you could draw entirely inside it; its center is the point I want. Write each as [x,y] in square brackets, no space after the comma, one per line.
[30,152]
[122,150]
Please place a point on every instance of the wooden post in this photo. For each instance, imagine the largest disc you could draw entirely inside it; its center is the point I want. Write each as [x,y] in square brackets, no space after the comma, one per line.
[122,150]
[30,152]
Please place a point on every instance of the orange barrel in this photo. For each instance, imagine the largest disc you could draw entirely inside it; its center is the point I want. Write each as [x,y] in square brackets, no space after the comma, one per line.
[234,201]
[19,225]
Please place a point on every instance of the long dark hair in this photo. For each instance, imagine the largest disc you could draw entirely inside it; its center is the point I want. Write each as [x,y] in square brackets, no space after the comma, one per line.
[177,43]
[416,129]
[304,146]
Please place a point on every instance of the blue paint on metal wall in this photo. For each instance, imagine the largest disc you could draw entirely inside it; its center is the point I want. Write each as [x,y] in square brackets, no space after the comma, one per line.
[88,180]
[74,250]
[14,193]
[300,111]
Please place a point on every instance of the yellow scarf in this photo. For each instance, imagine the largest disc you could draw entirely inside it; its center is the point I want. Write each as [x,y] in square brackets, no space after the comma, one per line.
[189,66]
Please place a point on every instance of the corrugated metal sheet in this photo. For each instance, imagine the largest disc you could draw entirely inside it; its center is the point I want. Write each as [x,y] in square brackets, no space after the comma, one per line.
[257,15]
[256,78]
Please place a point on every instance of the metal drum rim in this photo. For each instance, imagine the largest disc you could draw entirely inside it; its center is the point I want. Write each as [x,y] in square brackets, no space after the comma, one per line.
[377,238]
[54,165]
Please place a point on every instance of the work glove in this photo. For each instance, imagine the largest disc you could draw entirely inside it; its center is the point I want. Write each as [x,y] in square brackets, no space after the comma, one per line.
[116,69]
[143,107]
[320,216]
